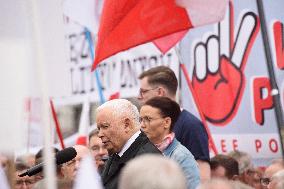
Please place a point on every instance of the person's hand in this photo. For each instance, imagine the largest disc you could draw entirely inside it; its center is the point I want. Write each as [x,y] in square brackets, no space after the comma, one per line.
[219,63]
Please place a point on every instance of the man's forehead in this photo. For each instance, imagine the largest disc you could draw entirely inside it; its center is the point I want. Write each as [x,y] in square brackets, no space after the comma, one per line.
[95,141]
[144,82]
[103,123]
[104,114]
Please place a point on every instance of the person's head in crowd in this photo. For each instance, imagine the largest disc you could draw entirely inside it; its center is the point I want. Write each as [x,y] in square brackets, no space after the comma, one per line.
[247,173]
[274,167]
[223,166]
[158,116]
[39,155]
[97,149]
[117,120]
[244,160]
[25,182]
[152,172]
[276,179]
[39,159]
[216,183]
[70,168]
[157,81]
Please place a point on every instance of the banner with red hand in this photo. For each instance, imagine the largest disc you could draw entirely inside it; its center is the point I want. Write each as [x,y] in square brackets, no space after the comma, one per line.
[219,65]
[230,82]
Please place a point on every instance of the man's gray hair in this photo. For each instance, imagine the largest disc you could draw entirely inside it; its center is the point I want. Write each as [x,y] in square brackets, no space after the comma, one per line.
[121,107]
[152,172]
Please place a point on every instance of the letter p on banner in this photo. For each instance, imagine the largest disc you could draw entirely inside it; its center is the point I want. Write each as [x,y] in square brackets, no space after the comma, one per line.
[262,101]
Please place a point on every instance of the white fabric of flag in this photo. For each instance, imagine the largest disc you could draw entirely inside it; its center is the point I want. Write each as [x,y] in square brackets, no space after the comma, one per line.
[3,180]
[87,175]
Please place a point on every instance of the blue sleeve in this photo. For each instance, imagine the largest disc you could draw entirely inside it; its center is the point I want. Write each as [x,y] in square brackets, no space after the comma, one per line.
[191,133]
[191,171]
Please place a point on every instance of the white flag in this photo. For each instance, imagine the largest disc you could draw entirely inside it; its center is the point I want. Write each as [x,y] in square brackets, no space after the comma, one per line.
[87,175]
[3,180]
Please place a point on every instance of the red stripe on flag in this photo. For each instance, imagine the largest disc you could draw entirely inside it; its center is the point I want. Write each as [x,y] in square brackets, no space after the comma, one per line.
[82,140]
[128,23]
[166,43]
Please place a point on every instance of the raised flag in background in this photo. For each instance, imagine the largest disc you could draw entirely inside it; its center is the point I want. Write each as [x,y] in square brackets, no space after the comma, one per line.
[128,23]
[199,14]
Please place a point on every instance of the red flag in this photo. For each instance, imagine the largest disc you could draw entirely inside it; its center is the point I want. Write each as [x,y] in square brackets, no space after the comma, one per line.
[199,13]
[114,96]
[165,43]
[128,23]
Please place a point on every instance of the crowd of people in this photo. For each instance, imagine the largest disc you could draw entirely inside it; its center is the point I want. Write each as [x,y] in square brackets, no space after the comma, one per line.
[162,146]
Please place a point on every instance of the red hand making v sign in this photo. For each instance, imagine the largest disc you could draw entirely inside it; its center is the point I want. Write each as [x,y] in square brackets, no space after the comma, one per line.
[219,63]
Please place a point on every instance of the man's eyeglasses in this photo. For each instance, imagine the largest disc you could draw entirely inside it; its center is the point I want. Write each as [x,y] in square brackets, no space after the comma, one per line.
[144,91]
[147,120]
[265,181]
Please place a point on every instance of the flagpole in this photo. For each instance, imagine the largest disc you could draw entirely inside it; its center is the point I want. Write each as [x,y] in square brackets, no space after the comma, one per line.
[57,125]
[49,169]
[185,73]
[84,122]
[269,63]
[91,48]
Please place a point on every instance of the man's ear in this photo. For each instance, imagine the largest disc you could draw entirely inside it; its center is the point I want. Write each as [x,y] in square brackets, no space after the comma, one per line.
[127,124]
[161,91]
[168,122]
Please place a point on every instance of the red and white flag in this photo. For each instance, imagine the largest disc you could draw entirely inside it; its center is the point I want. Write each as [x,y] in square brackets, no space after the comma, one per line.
[199,14]
[128,23]
[84,123]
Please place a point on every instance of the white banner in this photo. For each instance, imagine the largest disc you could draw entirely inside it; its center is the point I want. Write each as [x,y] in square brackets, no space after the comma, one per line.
[228,69]
[117,74]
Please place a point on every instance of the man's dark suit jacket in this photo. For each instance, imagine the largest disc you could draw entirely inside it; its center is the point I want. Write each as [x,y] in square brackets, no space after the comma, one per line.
[113,166]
